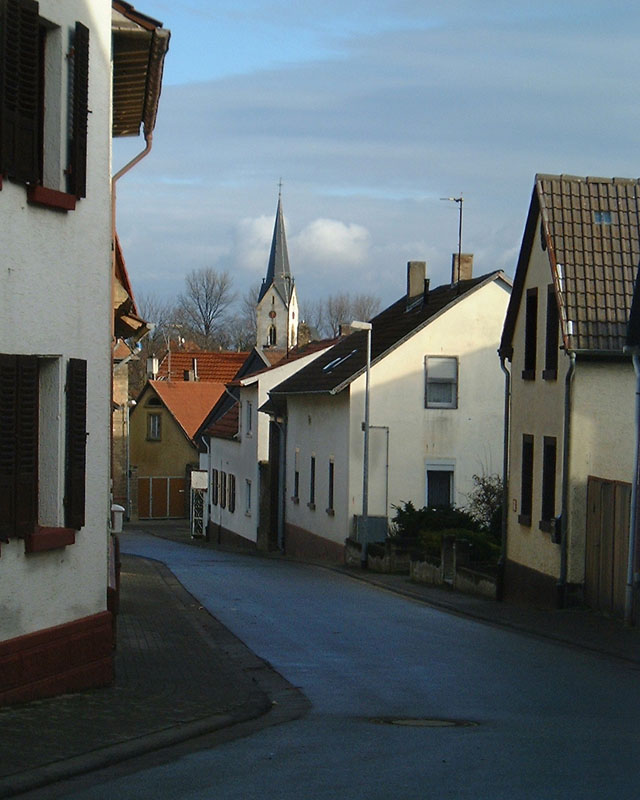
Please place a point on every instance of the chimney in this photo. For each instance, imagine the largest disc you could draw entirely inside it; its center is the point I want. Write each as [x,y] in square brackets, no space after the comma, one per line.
[152,368]
[344,329]
[194,366]
[462,271]
[416,275]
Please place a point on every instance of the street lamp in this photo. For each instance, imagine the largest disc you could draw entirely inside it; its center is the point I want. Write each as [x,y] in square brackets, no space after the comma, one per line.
[365,326]
[459,201]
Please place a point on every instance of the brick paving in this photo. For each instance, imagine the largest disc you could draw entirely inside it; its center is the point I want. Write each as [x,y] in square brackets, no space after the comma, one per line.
[179,672]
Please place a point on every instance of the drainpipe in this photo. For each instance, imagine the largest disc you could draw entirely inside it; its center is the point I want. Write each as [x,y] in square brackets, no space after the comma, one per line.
[633,522]
[564,513]
[505,480]
[207,444]
[282,434]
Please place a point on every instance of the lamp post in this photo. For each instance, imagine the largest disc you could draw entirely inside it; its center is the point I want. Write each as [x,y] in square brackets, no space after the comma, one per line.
[365,326]
[459,201]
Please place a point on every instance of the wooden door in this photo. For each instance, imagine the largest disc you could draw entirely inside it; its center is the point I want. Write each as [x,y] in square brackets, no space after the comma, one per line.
[607,544]
[177,497]
[144,498]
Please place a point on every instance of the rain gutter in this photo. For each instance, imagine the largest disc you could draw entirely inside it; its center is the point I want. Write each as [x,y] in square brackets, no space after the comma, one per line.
[564,514]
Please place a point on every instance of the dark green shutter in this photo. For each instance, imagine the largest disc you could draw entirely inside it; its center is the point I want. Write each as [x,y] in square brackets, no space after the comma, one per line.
[18,445]
[20,101]
[76,443]
[8,405]
[27,414]
[80,112]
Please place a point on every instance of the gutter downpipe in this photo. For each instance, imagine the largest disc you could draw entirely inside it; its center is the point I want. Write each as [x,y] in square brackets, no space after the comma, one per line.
[633,520]
[564,514]
[207,443]
[505,480]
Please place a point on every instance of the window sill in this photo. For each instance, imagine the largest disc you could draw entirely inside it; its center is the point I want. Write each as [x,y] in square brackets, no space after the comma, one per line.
[51,198]
[43,539]
[331,512]
[312,506]
[295,500]
[524,519]
[528,374]
[550,375]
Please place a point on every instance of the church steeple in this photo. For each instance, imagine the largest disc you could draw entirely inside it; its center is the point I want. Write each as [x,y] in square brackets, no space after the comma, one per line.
[278,273]
[277,308]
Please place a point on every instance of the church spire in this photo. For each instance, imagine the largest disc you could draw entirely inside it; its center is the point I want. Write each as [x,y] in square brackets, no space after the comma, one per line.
[278,273]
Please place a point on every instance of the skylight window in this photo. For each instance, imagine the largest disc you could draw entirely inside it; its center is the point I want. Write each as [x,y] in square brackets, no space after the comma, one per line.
[602,217]
[337,361]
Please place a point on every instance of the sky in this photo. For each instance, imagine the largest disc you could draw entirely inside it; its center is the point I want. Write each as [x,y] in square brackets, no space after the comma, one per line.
[370,112]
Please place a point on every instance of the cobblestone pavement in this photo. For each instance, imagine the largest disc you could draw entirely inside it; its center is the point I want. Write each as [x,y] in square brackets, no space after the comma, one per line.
[179,674]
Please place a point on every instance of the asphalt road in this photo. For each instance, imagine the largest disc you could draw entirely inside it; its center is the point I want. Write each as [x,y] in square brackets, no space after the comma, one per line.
[487,713]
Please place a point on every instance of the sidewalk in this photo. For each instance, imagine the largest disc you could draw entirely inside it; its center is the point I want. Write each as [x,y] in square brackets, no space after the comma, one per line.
[180,674]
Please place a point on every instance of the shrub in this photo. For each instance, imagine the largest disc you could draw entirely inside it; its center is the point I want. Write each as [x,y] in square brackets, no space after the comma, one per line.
[485,504]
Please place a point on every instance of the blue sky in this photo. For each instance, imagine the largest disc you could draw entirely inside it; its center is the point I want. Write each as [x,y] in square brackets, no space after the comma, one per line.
[370,113]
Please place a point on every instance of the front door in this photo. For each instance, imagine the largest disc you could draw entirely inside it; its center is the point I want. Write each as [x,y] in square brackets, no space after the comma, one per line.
[607,544]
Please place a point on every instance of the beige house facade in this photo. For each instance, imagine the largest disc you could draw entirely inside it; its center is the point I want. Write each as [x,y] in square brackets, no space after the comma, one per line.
[571,442]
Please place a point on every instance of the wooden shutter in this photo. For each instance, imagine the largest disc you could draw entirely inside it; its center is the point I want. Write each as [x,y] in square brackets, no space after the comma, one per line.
[80,112]
[76,443]
[20,90]
[18,445]
[8,405]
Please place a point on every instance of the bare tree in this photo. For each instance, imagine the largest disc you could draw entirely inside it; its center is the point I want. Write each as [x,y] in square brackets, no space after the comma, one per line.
[162,315]
[204,304]
[329,314]
[364,306]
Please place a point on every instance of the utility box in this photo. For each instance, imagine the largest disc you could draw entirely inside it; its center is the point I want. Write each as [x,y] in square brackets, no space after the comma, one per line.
[117,516]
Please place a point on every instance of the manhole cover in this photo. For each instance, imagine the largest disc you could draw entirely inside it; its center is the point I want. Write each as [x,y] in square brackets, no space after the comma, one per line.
[424,722]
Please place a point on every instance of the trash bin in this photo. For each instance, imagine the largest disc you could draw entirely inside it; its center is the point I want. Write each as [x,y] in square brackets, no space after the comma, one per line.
[117,516]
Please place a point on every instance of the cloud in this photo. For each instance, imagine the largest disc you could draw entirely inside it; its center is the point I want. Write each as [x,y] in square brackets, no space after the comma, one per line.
[252,240]
[332,244]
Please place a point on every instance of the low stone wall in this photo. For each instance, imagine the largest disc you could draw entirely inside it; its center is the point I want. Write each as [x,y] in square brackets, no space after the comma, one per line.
[390,562]
[472,582]
[426,572]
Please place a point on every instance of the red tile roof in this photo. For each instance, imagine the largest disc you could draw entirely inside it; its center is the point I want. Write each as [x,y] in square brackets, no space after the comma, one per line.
[228,425]
[217,366]
[189,402]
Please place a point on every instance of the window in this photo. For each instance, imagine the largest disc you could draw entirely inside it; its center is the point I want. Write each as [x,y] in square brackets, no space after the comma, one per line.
[530,335]
[154,427]
[330,509]
[551,346]
[526,480]
[33,109]
[249,418]
[439,485]
[296,476]
[223,489]
[215,484]
[232,493]
[312,484]
[441,382]
[602,217]
[29,392]
[548,483]
[272,335]
[247,497]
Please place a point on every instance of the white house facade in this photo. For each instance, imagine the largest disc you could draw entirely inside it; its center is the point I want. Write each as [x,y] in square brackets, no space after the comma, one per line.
[56,244]
[436,413]
[56,324]
[237,456]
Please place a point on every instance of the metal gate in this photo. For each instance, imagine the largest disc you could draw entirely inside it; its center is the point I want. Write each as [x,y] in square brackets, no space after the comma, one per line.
[607,544]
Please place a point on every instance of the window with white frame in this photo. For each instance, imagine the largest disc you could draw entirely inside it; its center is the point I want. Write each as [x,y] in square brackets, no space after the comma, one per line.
[440,484]
[441,382]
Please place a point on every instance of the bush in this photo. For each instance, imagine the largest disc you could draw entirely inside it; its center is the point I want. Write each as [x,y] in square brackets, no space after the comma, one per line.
[425,527]
[485,504]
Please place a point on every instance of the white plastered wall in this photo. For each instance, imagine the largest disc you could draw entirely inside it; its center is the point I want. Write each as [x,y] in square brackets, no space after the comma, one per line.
[55,303]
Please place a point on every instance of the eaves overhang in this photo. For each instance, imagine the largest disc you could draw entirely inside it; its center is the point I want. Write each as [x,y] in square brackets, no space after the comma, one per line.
[140,44]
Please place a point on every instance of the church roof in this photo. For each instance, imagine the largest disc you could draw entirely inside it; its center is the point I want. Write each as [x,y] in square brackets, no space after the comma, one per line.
[278,273]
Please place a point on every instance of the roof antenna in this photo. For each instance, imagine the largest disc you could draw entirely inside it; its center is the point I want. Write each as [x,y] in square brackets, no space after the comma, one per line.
[459,201]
